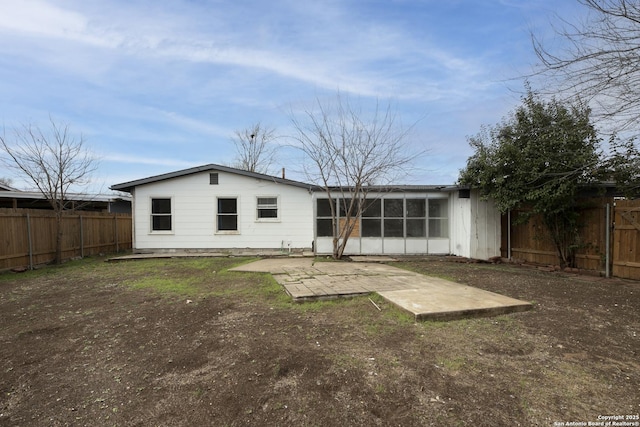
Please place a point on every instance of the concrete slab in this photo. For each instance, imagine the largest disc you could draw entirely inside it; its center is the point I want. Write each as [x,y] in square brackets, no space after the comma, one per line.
[456,302]
[423,296]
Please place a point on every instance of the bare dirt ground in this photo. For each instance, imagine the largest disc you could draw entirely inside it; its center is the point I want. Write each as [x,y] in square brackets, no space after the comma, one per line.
[184,342]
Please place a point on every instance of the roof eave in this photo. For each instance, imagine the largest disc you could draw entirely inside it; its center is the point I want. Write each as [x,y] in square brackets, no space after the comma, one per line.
[129,186]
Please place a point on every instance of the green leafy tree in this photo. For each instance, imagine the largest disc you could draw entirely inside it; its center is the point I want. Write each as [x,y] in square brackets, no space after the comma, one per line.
[539,158]
[623,166]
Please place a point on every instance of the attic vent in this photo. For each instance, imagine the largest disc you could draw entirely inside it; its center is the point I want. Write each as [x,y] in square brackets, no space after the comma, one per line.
[213,178]
[464,193]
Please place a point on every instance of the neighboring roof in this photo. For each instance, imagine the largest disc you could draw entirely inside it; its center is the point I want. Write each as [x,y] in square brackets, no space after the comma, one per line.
[77,197]
[128,186]
[5,187]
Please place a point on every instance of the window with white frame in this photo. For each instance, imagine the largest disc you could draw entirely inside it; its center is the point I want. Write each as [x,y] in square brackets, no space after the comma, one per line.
[160,214]
[267,208]
[227,214]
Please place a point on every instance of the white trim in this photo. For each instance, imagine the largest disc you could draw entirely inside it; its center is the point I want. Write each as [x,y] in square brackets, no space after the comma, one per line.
[277,218]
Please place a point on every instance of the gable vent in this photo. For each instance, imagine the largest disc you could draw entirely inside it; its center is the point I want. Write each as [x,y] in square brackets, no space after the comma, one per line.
[213,178]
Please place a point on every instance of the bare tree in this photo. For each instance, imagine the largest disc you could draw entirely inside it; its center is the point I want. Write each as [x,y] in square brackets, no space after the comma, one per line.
[54,160]
[599,60]
[255,148]
[351,154]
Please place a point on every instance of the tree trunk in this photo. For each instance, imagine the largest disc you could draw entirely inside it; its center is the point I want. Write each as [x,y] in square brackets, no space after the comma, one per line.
[564,236]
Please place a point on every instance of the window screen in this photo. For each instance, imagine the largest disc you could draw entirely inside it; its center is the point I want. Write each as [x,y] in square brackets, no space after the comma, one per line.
[438,218]
[267,207]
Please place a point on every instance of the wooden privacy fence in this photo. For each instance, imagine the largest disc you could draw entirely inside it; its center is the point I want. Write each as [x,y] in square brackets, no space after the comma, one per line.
[531,242]
[620,256]
[28,236]
[626,239]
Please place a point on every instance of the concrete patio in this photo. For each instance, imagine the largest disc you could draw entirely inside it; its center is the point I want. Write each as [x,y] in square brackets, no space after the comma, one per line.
[426,297]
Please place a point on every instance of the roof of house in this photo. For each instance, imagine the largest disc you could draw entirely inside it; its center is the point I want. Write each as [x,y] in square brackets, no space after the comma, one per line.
[419,188]
[128,186]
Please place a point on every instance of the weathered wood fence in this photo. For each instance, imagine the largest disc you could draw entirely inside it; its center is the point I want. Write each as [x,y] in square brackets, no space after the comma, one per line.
[28,236]
[620,256]
[626,239]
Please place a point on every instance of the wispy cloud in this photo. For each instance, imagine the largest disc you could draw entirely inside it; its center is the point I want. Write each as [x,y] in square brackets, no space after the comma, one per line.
[156,84]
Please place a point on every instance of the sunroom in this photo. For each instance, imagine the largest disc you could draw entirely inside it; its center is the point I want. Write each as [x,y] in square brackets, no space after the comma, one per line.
[398,222]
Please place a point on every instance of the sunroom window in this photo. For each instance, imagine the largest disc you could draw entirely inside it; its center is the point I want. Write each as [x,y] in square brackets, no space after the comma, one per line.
[438,218]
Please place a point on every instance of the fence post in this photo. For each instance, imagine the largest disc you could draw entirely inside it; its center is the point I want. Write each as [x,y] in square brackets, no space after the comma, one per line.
[30,243]
[509,234]
[115,218]
[607,267]
[81,238]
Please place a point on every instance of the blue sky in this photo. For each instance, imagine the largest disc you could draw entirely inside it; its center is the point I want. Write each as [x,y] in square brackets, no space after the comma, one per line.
[157,86]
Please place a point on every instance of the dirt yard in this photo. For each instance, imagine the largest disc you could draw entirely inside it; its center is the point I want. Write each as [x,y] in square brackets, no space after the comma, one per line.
[184,342]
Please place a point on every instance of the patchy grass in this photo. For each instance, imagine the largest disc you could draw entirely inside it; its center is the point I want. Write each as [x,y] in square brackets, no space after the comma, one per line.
[95,343]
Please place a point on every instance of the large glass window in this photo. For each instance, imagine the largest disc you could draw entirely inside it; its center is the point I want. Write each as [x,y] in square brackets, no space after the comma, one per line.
[393,213]
[345,204]
[160,214]
[438,218]
[393,227]
[323,208]
[372,218]
[267,207]
[227,214]
[416,218]
[393,208]
[391,217]
[324,223]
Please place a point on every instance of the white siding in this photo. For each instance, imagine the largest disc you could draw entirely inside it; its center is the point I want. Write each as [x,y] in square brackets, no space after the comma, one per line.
[194,209]
[486,229]
[460,226]
[475,228]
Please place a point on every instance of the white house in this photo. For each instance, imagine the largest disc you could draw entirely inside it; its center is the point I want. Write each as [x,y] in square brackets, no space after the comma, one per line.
[221,208]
